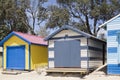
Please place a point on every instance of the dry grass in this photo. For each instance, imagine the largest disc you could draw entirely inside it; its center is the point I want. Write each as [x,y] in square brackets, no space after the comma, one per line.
[41,68]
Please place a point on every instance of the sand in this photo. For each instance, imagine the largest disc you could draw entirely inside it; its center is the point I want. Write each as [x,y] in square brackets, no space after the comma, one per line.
[97,75]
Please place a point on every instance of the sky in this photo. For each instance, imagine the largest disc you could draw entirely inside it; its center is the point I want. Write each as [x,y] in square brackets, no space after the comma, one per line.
[53,2]
[46,4]
[50,2]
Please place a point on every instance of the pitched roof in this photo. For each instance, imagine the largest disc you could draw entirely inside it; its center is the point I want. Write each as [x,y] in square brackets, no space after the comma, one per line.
[31,39]
[73,29]
[109,21]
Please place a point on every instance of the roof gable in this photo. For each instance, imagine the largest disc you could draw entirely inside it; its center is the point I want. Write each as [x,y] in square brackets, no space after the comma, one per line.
[30,39]
[109,20]
[70,28]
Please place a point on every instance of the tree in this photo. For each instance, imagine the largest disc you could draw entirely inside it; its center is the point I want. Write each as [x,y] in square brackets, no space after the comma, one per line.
[58,16]
[89,13]
[37,13]
[12,16]
[3,31]
[43,32]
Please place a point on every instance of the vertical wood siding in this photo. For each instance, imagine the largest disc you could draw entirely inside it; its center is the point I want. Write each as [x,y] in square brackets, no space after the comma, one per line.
[39,56]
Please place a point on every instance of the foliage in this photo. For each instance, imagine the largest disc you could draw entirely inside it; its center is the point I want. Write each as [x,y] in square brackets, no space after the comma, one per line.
[43,32]
[24,15]
[37,13]
[88,13]
[58,17]
[14,15]
[4,30]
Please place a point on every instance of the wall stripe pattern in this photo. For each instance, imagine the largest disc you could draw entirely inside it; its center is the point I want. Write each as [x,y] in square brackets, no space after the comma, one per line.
[89,50]
[83,47]
[93,49]
[113,28]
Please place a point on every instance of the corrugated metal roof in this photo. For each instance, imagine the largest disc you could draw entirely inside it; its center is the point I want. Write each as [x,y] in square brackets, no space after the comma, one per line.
[32,38]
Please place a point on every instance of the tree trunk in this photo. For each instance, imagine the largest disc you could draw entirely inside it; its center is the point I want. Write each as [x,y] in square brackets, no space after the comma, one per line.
[95,22]
[87,24]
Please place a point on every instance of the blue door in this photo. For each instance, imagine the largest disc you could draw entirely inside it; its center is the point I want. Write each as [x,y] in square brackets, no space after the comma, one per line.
[16,57]
[67,53]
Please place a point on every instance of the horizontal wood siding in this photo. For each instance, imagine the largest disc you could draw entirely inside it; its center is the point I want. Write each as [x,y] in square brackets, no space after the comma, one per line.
[60,37]
[84,64]
[83,53]
[51,44]
[51,64]
[51,54]
[114,25]
[66,32]
[113,28]
[94,64]
[95,43]
[113,68]
[95,53]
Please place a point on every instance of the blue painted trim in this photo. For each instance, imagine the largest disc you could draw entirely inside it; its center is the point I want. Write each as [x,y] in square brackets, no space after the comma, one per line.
[65,37]
[112,49]
[83,59]
[113,69]
[94,48]
[29,57]
[95,58]
[2,56]
[6,57]
[87,55]
[51,49]
[82,48]
[22,38]
[70,28]
[11,34]
[51,59]
[98,40]
[39,44]
[113,32]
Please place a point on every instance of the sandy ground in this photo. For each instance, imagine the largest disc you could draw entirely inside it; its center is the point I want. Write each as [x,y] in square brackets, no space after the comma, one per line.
[98,75]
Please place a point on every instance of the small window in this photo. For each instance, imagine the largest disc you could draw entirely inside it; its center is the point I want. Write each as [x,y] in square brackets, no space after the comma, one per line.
[66,36]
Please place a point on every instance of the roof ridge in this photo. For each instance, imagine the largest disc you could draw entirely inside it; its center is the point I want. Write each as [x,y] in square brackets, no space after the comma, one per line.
[28,34]
[108,21]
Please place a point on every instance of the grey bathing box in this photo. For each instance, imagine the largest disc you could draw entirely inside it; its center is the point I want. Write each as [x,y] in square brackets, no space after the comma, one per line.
[69,47]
